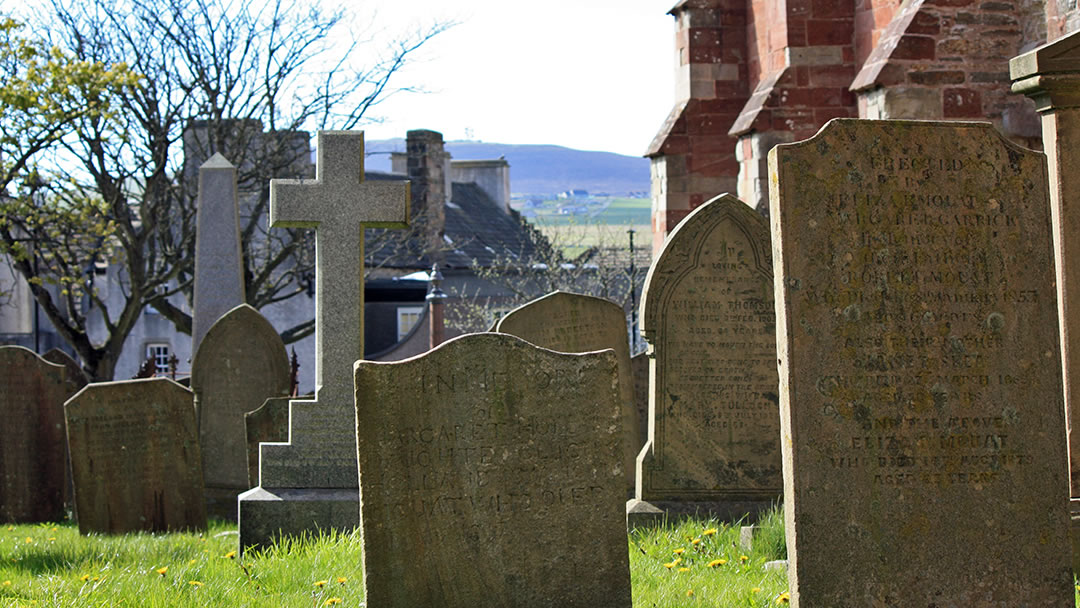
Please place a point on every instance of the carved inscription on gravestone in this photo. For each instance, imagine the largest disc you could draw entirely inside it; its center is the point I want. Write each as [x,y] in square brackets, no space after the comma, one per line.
[708,316]
[135,457]
[490,476]
[918,349]
[575,323]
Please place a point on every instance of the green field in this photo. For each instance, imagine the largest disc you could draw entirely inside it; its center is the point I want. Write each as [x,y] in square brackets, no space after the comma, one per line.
[603,224]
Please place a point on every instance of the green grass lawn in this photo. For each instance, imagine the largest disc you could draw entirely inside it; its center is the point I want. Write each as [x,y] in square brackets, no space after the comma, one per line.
[605,228]
[693,563]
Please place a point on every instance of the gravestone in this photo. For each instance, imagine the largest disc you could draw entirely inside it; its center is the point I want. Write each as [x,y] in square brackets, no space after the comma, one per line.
[639,369]
[219,268]
[1050,75]
[240,363]
[311,482]
[32,462]
[575,323]
[74,377]
[922,416]
[707,314]
[491,476]
[267,424]
[135,457]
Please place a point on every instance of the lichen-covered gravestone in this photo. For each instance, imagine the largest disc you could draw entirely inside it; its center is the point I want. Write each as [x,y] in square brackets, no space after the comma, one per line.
[714,433]
[575,323]
[32,393]
[135,457]
[491,476]
[310,483]
[269,423]
[922,416]
[240,363]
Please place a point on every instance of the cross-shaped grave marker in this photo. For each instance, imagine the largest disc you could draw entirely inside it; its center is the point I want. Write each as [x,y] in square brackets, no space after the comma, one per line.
[311,481]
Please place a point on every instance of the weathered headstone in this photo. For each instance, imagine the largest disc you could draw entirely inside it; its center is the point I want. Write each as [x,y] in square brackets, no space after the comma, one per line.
[240,363]
[135,457]
[575,323]
[1050,75]
[267,424]
[491,448]
[707,314]
[311,482]
[32,393]
[219,268]
[74,377]
[922,417]
[639,369]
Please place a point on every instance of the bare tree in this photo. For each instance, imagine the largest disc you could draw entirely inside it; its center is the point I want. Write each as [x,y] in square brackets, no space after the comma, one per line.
[247,80]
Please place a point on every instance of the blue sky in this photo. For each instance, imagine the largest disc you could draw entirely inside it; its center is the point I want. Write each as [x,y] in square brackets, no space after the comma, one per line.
[586,74]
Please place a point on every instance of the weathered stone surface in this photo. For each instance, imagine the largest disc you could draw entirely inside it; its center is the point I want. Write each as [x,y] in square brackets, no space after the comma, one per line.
[135,457]
[32,461]
[714,437]
[921,400]
[219,266]
[240,363]
[267,424]
[639,369]
[575,323]
[491,476]
[314,476]
[74,377]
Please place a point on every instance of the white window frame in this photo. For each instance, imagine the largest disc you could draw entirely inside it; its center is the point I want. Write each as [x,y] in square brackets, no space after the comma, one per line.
[161,353]
[407,318]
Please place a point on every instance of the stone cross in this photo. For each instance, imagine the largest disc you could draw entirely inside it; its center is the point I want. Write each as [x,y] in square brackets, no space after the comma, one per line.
[318,465]
[219,271]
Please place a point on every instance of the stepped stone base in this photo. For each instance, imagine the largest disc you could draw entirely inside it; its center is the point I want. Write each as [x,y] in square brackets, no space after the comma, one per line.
[266,514]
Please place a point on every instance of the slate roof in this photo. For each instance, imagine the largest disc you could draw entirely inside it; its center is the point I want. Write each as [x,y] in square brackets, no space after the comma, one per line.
[477,234]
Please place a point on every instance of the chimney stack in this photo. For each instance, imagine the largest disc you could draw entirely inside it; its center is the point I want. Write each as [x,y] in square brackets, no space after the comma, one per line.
[427,170]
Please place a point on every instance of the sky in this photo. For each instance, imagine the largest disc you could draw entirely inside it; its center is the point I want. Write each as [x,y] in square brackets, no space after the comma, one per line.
[585,74]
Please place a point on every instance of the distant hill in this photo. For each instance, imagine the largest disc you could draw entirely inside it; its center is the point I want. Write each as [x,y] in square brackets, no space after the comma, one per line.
[540,169]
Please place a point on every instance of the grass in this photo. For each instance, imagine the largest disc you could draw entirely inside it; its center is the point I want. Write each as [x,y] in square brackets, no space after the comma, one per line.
[605,228]
[52,565]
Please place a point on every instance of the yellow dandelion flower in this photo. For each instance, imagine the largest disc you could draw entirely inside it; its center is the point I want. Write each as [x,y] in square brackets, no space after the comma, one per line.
[192,562]
[29,540]
[684,569]
[332,601]
[756,590]
[696,541]
[195,583]
[162,570]
[85,577]
[52,539]
[230,555]
[670,565]
[321,583]
[95,579]
[689,593]
[54,528]
[709,532]
[7,583]
[679,551]
[743,558]
[10,528]
[341,579]
[783,598]
[717,562]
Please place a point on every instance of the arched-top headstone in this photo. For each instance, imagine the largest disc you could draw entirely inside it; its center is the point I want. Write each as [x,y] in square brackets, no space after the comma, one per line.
[76,377]
[240,363]
[575,323]
[714,441]
[135,457]
[32,463]
[491,447]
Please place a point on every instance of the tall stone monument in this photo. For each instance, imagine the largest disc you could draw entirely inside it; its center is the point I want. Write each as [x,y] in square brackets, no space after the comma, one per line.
[240,363]
[311,482]
[491,476]
[32,458]
[714,428]
[135,457]
[1050,75]
[921,401]
[219,269]
[575,323]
